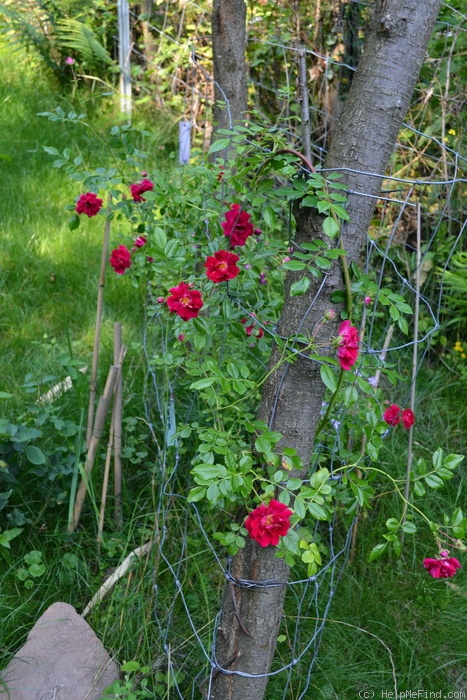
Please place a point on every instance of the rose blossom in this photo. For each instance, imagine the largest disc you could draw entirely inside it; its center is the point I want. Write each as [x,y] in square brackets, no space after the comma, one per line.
[237,225]
[266,524]
[221,266]
[348,345]
[140,187]
[69,60]
[89,204]
[184,301]
[367,300]
[253,330]
[392,415]
[120,259]
[408,418]
[442,568]
[139,242]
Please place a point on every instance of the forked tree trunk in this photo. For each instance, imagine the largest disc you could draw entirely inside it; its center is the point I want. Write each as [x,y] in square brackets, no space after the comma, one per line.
[228,45]
[291,403]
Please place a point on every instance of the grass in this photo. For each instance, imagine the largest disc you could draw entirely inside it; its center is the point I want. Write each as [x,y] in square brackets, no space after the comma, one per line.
[386,615]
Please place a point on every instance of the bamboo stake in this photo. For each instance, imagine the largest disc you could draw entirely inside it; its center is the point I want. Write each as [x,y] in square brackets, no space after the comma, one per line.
[102,410]
[105,484]
[117,430]
[414,360]
[97,332]
[116,576]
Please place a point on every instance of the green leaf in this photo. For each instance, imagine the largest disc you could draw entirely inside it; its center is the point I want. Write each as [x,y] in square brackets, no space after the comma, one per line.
[34,455]
[294,265]
[159,238]
[377,551]
[299,508]
[203,383]
[437,458]
[73,222]
[323,205]
[392,524]
[328,377]
[262,445]
[330,227]
[340,212]
[300,287]
[212,494]
[434,481]
[7,535]
[269,217]
[206,472]
[452,461]
[316,511]
[219,145]
[409,528]
[5,395]
[196,494]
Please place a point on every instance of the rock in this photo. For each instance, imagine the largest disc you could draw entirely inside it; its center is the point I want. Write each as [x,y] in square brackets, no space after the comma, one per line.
[61,660]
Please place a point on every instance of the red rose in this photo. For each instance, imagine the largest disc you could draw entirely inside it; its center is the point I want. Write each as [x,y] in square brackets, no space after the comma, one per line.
[442,568]
[139,242]
[120,259]
[408,418]
[184,301]
[140,187]
[392,415]
[253,330]
[221,266]
[266,524]
[348,345]
[89,204]
[237,225]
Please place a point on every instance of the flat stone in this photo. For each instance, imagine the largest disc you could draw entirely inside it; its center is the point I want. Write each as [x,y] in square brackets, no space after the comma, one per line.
[62,660]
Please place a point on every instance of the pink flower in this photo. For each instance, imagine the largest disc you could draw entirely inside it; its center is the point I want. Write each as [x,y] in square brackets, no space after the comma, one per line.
[348,345]
[70,61]
[237,225]
[255,331]
[89,204]
[120,259]
[408,418]
[266,524]
[392,415]
[139,188]
[180,337]
[367,300]
[446,567]
[221,266]
[184,301]
[139,242]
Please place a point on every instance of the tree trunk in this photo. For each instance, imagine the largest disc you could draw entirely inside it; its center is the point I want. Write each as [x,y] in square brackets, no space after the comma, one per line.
[228,45]
[291,403]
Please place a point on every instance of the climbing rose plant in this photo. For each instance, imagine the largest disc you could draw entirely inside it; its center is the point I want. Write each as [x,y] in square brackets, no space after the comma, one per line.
[182,231]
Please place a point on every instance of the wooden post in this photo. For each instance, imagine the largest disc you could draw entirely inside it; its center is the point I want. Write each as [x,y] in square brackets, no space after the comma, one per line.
[97,332]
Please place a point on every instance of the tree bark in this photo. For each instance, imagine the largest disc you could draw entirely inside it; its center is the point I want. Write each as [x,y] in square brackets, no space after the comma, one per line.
[291,403]
[228,45]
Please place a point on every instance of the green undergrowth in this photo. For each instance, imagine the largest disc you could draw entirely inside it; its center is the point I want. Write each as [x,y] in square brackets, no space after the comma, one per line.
[386,617]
